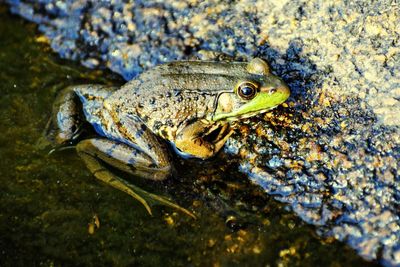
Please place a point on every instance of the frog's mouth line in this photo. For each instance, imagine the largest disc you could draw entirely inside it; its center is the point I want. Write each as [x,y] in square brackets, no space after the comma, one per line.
[250,114]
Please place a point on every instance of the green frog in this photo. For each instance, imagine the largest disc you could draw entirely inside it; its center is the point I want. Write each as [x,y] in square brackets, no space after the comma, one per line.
[189,104]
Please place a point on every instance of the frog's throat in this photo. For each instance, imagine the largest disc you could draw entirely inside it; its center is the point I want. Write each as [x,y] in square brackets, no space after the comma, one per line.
[260,104]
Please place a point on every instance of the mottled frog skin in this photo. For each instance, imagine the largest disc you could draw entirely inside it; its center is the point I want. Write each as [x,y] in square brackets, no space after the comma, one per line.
[188,103]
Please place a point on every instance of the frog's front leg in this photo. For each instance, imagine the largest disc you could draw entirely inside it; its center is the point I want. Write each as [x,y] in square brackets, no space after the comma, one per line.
[128,159]
[202,140]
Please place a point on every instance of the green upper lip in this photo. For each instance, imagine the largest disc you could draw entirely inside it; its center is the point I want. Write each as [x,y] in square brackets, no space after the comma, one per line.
[261,103]
[250,114]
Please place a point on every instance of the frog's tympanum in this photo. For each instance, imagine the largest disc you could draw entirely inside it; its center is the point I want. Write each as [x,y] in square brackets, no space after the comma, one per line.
[188,103]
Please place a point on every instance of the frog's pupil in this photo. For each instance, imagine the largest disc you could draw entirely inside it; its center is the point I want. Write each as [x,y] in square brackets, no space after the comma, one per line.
[246,90]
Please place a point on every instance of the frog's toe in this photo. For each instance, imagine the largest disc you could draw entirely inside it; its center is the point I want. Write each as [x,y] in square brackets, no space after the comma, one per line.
[96,152]
[152,199]
[147,199]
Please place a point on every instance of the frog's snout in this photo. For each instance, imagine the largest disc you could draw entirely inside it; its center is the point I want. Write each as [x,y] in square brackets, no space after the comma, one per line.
[283,89]
[278,91]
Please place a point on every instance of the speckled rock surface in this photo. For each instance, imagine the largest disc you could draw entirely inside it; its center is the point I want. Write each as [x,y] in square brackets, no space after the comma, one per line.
[332,154]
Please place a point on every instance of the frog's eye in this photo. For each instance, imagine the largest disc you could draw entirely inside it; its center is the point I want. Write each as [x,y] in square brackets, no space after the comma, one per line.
[247,90]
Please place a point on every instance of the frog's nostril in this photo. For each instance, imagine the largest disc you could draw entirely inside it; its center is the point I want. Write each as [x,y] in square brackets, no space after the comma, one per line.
[284,89]
[272,91]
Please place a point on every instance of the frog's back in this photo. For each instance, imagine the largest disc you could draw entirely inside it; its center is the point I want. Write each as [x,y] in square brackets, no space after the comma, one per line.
[196,68]
[172,93]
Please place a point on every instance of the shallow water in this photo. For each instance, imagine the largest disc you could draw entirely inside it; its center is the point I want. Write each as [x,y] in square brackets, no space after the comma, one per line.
[48,202]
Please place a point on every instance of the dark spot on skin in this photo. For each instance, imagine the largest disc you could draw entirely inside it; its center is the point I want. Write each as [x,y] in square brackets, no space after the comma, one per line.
[157,125]
[168,94]
[191,120]
[133,169]
[169,123]
[179,98]
[145,118]
[176,92]
[164,133]
[110,150]
[153,166]
[152,101]
[139,133]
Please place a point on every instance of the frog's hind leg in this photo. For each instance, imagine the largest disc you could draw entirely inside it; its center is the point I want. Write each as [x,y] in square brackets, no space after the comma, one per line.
[67,117]
[97,151]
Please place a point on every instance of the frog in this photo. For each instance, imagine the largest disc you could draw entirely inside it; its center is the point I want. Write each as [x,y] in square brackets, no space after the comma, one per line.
[184,106]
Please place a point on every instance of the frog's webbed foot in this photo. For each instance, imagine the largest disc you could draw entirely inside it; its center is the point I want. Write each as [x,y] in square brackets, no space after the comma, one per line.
[128,159]
[202,140]
[217,134]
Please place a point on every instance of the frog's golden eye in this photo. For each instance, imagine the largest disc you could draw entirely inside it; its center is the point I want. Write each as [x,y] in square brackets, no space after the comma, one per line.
[247,90]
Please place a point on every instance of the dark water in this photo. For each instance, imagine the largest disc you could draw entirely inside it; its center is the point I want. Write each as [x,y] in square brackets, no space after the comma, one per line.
[48,202]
